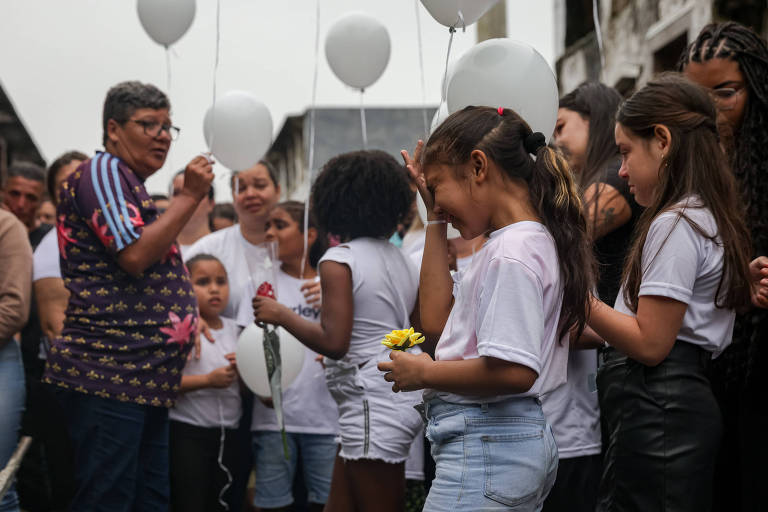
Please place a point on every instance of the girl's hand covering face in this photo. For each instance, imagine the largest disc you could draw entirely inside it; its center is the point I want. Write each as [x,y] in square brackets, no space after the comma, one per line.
[406,370]
[417,174]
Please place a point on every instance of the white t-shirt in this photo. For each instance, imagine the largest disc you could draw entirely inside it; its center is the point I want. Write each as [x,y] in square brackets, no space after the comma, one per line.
[211,407]
[384,285]
[572,409]
[184,248]
[230,247]
[46,257]
[681,264]
[308,407]
[507,305]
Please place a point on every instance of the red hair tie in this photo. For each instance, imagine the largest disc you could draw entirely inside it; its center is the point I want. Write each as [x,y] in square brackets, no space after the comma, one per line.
[500,110]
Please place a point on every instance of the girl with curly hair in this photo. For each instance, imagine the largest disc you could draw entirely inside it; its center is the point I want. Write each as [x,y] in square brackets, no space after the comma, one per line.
[369,289]
[731,61]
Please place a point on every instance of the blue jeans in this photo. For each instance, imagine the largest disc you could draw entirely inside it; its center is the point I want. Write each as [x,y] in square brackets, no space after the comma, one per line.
[497,456]
[11,406]
[121,454]
[274,474]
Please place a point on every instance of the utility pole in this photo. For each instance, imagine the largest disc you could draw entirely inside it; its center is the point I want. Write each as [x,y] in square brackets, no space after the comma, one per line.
[493,23]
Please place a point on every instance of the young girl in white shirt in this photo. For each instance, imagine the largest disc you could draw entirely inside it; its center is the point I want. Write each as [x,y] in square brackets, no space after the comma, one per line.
[202,445]
[369,288]
[505,321]
[309,412]
[685,275]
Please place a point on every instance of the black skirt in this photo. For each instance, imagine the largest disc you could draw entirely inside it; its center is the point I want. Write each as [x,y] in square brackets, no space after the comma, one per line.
[663,432]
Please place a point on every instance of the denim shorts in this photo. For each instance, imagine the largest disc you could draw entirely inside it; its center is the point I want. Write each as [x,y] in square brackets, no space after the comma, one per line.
[274,474]
[496,456]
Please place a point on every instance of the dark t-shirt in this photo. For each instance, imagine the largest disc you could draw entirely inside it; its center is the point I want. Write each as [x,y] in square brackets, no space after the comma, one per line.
[32,333]
[611,249]
[124,337]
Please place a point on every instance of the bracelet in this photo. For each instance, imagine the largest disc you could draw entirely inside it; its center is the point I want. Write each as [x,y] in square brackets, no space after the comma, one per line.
[438,221]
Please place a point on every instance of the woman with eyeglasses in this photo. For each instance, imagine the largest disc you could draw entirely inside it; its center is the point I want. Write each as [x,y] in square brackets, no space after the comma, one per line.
[132,314]
[732,61]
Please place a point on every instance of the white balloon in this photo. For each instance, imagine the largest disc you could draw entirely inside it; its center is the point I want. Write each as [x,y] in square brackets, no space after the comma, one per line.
[253,367]
[440,115]
[166,20]
[452,231]
[242,132]
[446,12]
[357,48]
[509,74]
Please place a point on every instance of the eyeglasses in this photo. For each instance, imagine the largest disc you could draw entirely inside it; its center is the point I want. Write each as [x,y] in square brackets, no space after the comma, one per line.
[724,96]
[154,128]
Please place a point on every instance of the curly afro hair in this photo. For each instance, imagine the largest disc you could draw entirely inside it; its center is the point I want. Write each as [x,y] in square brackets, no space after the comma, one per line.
[363,193]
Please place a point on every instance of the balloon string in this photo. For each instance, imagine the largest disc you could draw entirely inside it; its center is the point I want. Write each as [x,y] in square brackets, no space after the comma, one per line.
[168,70]
[220,458]
[215,72]
[447,58]
[169,158]
[362,120]
[311,159]
[598,33]
[421,70]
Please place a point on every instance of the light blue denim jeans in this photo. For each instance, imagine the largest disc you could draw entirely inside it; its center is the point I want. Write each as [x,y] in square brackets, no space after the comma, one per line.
[274,474]
[11,406]
[497,456]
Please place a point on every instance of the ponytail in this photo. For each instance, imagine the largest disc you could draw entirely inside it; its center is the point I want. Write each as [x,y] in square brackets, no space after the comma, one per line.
[508,140]
[555,196]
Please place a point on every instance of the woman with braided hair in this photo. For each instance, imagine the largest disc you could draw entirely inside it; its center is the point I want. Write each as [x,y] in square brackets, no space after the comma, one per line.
[732,61]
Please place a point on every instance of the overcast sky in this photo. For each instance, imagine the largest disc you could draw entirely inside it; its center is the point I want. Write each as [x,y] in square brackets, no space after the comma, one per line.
[58,58]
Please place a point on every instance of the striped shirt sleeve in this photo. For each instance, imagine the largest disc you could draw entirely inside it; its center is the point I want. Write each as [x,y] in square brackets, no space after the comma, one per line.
[108,204]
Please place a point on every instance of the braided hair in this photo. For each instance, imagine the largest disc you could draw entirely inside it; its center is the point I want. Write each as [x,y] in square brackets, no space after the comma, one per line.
[749,160]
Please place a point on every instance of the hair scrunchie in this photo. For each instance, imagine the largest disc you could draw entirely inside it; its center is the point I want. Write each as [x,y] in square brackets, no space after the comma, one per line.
[534,141]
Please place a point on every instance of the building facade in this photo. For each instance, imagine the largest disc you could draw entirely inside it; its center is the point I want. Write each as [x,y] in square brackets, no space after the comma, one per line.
[640,37]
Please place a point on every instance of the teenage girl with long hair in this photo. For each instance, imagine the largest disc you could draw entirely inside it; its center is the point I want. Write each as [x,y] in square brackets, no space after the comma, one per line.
[505,320]
[685,275]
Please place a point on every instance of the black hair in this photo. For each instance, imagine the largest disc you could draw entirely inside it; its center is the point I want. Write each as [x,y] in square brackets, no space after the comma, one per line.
[26,170]
[749,161]
[126,98]
[598,104]
[270,169]
[55,167]
[295,209]
[211,190]
[362,193]
[197,258]
[159,197]
[693,165]
[507,140]
[224,210]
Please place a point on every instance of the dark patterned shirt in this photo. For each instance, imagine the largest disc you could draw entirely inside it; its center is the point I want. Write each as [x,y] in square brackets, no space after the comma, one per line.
[124,337]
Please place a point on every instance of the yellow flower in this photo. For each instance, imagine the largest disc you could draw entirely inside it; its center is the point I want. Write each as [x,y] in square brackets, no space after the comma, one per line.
[402,339]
